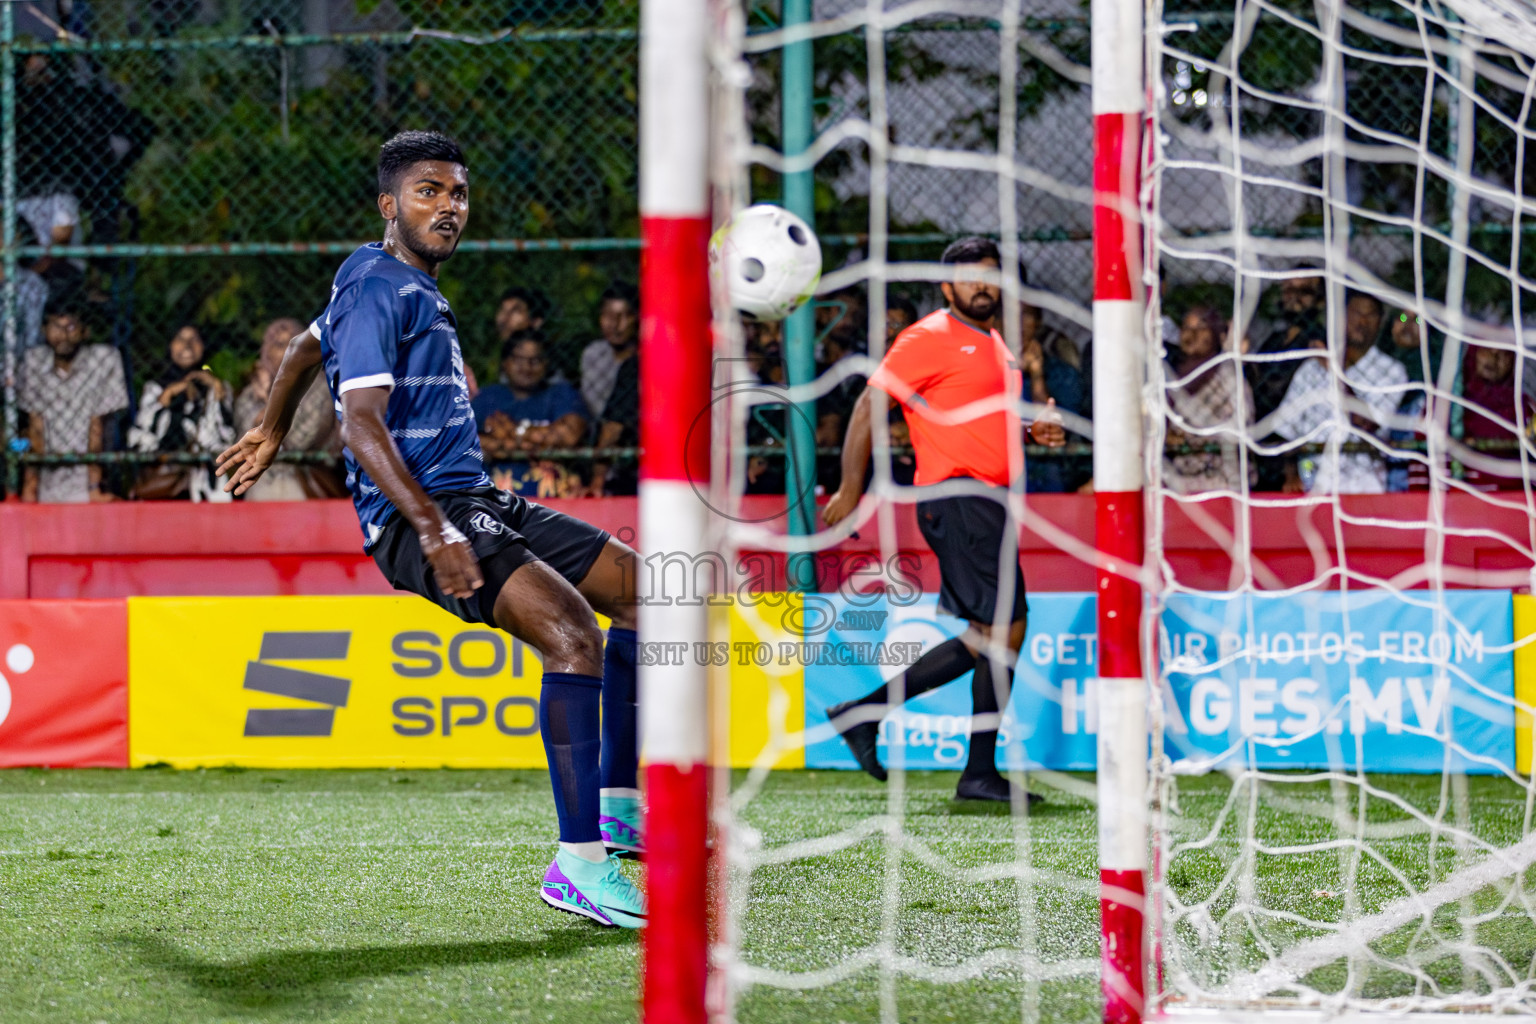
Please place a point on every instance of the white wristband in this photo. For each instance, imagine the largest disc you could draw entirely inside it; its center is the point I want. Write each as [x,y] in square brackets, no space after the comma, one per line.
[451,535]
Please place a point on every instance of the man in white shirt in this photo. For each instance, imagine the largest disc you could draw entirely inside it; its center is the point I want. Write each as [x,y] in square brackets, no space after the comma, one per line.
[68,389]
[1326,402]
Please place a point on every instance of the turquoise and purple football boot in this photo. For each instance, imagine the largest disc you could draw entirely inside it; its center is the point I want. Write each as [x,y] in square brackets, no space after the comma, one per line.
[620,822]
[597,891]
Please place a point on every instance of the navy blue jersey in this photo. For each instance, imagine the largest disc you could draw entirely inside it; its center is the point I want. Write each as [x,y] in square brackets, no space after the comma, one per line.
[388,326]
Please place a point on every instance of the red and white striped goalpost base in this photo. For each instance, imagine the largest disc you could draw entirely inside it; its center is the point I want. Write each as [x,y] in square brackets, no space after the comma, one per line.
[1119,100]
[674,375]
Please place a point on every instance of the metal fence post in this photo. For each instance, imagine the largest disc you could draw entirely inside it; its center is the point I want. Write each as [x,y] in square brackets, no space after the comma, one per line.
[8,239]
[800,328]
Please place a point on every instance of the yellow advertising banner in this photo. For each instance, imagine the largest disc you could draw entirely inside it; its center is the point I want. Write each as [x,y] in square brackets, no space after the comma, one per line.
[326,682]
[1525,679]
[765,704]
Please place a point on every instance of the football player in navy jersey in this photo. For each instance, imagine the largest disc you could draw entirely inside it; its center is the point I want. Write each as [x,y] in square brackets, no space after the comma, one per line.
[388,346]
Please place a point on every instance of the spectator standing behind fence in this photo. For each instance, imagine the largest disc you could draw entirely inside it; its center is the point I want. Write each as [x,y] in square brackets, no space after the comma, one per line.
[49,108]
[1300,326]
[31,300]
[834,408]
[1051,365]
[1492,394]
[619,427]
[900,314]
[1406,339]
[843,315]
[1203,392]
[520,309]
[766,473]
[314,424]
[523,417]
[68,389]
[845,340]
[185,409]
[618,317]
[1373,385]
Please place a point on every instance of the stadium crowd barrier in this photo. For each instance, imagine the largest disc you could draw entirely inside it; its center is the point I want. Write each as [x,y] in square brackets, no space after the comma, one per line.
[187,635]
[314,548]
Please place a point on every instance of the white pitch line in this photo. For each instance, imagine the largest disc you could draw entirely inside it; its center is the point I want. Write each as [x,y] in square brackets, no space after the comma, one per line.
[1325,949]
[202,844]
[992,959]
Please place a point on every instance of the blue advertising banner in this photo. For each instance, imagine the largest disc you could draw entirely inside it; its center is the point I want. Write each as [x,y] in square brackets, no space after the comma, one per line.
[1049,722]
[1374,678]
[1313,680]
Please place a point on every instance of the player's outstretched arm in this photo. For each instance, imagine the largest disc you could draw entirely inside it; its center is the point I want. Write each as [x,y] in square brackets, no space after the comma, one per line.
[245,460]
[856,448]
[365,432]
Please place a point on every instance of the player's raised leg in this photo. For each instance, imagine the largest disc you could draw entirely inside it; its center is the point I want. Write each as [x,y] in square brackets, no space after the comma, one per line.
[539,607]
[609,587]
[858,721]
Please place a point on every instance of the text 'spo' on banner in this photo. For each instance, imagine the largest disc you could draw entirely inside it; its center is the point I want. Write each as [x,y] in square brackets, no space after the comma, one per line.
[325,682]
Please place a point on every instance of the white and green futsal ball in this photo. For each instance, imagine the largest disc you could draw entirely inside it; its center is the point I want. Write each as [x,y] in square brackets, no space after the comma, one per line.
[769,260]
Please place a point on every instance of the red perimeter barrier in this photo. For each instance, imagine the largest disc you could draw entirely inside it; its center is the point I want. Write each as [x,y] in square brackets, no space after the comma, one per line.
[174,548]
[64,684]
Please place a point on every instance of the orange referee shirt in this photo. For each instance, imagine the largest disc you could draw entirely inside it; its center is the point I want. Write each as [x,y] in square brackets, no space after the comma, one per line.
[939,366]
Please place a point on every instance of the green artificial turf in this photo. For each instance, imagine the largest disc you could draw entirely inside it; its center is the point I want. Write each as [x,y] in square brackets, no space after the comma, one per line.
[258,896]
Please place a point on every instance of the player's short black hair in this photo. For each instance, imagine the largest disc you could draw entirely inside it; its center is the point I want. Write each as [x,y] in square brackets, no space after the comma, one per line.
[412,147]
[971,250]
[517,338]
[536,301]
[624,292]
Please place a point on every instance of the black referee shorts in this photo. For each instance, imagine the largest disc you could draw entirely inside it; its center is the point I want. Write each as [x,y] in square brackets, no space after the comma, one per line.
[506,533]
[966,532]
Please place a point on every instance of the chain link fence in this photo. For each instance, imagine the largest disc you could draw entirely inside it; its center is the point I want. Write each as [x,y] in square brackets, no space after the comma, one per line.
[1370,136]
[1398,95]
[206,164]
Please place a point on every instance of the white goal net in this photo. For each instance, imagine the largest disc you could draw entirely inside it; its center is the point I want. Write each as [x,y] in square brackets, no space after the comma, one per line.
[1340,516]
[842,899]
[1343,808]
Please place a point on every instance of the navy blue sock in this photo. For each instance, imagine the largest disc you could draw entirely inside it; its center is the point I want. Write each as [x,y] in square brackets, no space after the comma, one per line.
[568,708]
[620,744]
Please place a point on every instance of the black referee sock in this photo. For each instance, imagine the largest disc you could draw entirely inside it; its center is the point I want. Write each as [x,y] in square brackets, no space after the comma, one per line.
[946,662]
[984,702]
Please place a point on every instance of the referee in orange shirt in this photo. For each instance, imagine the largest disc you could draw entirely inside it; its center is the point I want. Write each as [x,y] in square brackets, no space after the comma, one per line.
[944,362]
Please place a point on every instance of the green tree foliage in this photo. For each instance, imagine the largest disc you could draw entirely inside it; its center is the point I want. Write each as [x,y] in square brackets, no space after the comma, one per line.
[243,152]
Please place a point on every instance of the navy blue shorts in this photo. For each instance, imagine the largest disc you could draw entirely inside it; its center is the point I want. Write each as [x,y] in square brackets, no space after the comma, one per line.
[506,533]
